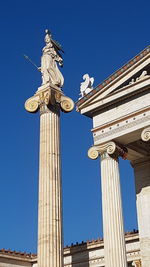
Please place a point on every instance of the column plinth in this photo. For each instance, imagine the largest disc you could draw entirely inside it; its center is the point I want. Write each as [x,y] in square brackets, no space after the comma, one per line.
[50,235]
[113,226]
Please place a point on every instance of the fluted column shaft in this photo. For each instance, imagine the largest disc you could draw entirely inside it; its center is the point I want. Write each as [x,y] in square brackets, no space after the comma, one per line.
[142,184]
[50,245]
[113,227]
[49,99]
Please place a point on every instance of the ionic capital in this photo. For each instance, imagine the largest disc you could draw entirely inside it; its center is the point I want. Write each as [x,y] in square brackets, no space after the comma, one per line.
[110,148]
[45,98]
[66,103]
[145,135]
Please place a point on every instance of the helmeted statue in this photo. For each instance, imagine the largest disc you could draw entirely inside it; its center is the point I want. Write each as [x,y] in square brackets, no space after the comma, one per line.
[49,60]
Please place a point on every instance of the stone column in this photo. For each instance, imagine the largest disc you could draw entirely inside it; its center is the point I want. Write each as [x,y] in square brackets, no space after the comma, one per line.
[142,185]
[50,236]
[50,243]
[113,227]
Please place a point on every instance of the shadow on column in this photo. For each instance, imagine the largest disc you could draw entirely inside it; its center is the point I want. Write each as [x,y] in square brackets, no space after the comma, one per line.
[79,254]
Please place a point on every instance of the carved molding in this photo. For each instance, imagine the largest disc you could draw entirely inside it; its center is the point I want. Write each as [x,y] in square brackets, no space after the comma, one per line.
[49,97]
[124,126]
[110,148]
[145,136]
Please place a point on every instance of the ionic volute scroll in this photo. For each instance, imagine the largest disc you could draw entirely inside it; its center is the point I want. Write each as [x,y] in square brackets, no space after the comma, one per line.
[111,148]
[33,103]
[145,136]
[66,103]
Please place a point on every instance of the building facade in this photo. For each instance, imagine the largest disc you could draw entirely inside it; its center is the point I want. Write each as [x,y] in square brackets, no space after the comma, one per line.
[86,254]
[120,110]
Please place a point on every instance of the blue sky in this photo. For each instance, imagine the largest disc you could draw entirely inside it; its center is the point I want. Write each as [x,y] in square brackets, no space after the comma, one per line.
[98,37]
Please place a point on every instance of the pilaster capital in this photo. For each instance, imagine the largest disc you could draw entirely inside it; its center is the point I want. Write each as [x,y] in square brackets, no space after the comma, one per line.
[111,148]
[145,135]
[137,263]
[46,97]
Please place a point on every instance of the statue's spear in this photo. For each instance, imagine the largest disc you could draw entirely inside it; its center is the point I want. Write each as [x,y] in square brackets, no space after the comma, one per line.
[26,57]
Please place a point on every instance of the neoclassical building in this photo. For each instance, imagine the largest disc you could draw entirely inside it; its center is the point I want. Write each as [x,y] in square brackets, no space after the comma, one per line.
[86,254]
[120,110]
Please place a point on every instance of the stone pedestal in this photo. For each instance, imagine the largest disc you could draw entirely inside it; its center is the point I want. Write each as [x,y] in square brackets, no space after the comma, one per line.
[49,100]
[142,184]
[113,227]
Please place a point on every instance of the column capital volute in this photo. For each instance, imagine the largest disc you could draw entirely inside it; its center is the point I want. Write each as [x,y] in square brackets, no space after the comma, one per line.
[111,148]
[49,96]
[145,135]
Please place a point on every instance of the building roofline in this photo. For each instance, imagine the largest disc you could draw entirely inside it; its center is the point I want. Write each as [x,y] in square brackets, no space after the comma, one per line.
[115,75]
[31,256]
[19,254]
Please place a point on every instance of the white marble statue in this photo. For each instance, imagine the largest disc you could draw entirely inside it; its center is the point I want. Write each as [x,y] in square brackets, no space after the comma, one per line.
[143,75]
[49,60]
[86,86]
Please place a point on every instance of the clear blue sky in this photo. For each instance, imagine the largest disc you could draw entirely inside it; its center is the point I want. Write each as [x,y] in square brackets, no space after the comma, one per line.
[98,37]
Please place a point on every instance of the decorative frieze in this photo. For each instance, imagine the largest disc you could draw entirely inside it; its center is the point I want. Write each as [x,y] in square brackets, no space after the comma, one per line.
[121,127]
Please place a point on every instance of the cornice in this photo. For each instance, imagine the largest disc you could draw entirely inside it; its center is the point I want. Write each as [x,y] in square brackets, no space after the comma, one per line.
[73,248]
[112,78]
